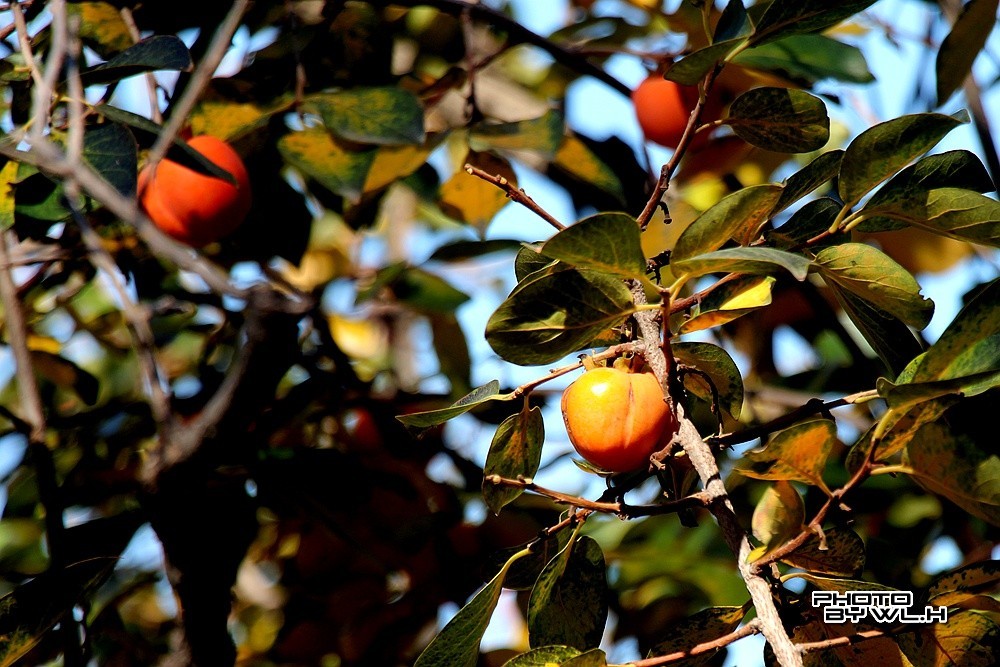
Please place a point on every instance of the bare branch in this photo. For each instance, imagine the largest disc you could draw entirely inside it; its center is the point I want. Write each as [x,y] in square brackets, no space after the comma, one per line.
[515,194]
[751,628]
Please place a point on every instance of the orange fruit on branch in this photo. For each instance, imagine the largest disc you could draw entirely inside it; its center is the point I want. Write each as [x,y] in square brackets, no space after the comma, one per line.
[663,107]
[193,207]
[616,419]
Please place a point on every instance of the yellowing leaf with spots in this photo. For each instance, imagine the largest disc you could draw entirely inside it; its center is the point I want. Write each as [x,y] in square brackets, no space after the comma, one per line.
[471,199]
[315,154]
[729,301]
[798,453]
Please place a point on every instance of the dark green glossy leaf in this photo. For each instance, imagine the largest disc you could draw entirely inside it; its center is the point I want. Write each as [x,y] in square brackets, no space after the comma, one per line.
[550,315]
[808,178]
[744,260]
[384,116]
[961,214]
[780,119]
[515,452]
[892,340]
[733,22]
[875,277]
[699,628]
[809,222]
[457,645]
[738,215]
[606,242]
[530,260]
[882,150]
[690,69]
[547,656]
[907,193]
[789,17]
[721,370]
[488,392]
[569,605]
[112,151]
[809,57]
[959,49]
[159,52]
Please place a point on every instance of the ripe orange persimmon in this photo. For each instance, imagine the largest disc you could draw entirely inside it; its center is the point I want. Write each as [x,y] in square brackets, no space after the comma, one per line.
[193,207]
[662,108]
[616,419]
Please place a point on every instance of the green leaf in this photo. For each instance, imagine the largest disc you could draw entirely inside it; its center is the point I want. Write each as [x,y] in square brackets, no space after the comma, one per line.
[515,452]
[961,214]
[551,315]
[547,656]
[780,119]
[690,69]
[569,605]
[159,52]
[882,150]
[744,260]
[606,242]
[418,289]
[789,17]
[740,214]
[798,453]
[906,195]
[488,392]
[113,153]
[704,626]
[529,260]
[814,218]
[810,58]
[959,49]
[843,555]
[729,301]
[463,250]
[315,154]
[968,639]
[875,277]
[733,22]
[542,135]
[892,340]
[721,370]
[452,351]
[388,116]
[457,645]
[524,573]
[947,461]
[778,517]
[808,178]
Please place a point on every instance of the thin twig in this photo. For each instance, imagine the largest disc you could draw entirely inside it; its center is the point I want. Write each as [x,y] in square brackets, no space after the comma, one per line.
[751,628]
[151,85]
[515,194]
[181,109]
[847,640]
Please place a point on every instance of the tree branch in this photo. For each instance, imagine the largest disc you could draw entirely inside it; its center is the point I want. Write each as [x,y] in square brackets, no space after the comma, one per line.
[515,194]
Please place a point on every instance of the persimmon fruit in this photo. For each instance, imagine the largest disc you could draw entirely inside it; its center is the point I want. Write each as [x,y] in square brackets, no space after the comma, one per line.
[662,108]
[615,419]
[192,207]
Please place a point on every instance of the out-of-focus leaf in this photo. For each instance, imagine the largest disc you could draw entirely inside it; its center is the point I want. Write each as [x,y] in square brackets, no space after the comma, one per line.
[549,316]
[721,370]
[488,392]
[8,175]
[543,135]
[452,351]
[159,52]
[101,27]
[472,200]
[315,154]
[386,116]
[568,605]
[844,554]
[515,452]
[778,517]
[113,153]
[959,49]
[460,251]
[808,178]
[875,277]
[576,158]
[739,215]
[906,194]
[704,626]
[21,548]
[811,57]
[882,150]
[392,163]
[733,22]
[65,373]
[797,453]
[606,242]
[231,120]
[780,119]
[728,301]
[457,645]
[790,17]
[755,260]
[421,290]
